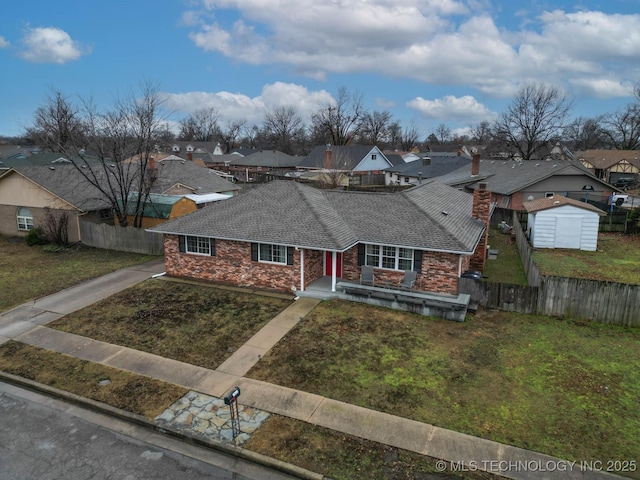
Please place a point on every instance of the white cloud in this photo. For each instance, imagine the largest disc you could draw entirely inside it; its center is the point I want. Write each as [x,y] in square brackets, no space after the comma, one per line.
[237,106]
[444,42]
[450,108]
[50,45]
[3,42]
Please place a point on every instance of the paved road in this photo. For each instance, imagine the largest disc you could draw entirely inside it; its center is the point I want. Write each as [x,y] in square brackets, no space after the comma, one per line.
[43,439]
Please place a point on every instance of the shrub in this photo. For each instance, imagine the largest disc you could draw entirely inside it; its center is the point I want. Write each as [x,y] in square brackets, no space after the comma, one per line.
[35,236]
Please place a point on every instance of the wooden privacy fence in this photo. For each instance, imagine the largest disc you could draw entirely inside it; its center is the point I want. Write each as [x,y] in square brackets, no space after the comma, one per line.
[123,239]
[604,302]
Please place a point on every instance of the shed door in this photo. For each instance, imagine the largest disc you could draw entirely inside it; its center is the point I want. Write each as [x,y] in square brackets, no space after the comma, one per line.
[568,232]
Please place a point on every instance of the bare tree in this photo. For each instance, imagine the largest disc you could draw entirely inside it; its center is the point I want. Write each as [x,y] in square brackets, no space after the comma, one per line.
[375,127]
[56,227]
[230,133]
[535,116]
[622,128]
[481,133]
[201,125]
[56,123]
[585,133]
[409,136]
[340,121]
[112,153]
[395,135]
[443,133]
[281,126]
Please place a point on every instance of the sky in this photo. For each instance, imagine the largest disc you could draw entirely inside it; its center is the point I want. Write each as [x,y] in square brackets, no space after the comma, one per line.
[427,62]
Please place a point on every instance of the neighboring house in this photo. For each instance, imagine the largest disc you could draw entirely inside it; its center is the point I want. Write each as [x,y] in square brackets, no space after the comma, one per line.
[28,193]
[611,165]
[352,160]
[429,166]
[173,175]
[514,182]
[262,163]
[285,235]
[561,222]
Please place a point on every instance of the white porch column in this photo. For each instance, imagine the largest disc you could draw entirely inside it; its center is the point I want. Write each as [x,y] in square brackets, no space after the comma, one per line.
[334,257]
[302,269]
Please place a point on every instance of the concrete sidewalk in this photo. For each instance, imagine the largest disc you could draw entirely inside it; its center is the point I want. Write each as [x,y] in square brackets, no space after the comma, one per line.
[456,450]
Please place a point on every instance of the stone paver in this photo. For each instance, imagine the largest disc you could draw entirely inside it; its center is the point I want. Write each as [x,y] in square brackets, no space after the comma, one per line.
[209,417]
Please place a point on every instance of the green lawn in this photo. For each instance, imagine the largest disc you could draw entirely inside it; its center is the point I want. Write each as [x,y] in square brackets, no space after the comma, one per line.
[617,259]
[27,273]
[196,324]
[558,387]
[507,268]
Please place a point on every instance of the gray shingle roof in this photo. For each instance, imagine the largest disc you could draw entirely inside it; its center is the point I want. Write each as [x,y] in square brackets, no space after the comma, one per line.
[348,156]
[507,176]
[173,170]
[439,165]
[268,158]
[290,213]
[66,182]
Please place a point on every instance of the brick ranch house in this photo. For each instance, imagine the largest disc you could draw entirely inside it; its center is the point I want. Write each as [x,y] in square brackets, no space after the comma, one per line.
[284,235]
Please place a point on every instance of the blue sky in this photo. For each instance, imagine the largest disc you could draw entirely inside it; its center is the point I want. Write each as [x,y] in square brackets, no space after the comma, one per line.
[426,61]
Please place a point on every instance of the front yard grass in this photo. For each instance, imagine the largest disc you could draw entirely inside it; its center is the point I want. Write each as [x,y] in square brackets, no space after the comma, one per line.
[127,391]
[27,273]
[617,259]
[197,324]
[559,387]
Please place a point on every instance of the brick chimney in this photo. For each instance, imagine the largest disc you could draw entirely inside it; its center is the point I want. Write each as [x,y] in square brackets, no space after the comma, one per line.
[481,211]
[475,165]
[190,156]
[426,160]
[328,156]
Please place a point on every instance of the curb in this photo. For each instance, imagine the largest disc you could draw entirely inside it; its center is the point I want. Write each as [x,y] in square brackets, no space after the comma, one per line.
[139,420]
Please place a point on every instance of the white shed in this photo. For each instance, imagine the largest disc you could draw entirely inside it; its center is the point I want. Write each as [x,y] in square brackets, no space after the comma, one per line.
[561,222]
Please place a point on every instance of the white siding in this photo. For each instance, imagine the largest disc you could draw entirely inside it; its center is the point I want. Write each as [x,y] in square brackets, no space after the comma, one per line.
[565,227]
[369,163]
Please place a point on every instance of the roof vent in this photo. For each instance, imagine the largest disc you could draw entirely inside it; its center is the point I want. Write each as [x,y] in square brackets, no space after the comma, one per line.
[557,202]
[444,213]
[52,167]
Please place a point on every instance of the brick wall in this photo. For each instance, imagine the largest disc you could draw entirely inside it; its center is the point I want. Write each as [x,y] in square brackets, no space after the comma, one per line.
[232,265]
[313,266]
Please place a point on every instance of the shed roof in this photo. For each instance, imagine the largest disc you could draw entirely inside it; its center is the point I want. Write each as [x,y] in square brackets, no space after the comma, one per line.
[554,202]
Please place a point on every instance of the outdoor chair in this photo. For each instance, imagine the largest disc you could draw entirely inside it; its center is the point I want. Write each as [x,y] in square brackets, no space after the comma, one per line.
[366,275]
[408,280]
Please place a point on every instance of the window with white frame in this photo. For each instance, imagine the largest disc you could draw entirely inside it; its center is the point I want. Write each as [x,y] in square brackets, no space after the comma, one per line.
[391,258]
[198,245]
[25,219]
[272,253]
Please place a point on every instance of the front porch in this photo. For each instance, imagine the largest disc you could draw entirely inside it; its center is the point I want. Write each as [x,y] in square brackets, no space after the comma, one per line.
[449,307]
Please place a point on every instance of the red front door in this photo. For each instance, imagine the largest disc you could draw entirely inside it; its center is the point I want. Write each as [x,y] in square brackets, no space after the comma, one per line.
[328,270]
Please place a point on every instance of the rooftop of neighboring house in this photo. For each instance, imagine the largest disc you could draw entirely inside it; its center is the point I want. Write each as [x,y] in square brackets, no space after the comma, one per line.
[429,217]
[557,201]
[344,157]
[173,170]
[606,158]
[66,182]
[506,177]
[432,165]
[267,158]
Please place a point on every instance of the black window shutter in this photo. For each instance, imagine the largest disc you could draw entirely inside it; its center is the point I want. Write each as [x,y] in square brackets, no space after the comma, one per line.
[289,255]
[417,261]
[182,242]
[254,252]
[361,250]
[212,246]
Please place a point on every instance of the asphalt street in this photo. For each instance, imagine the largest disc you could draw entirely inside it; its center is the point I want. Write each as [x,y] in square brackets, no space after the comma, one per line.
[44,438]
